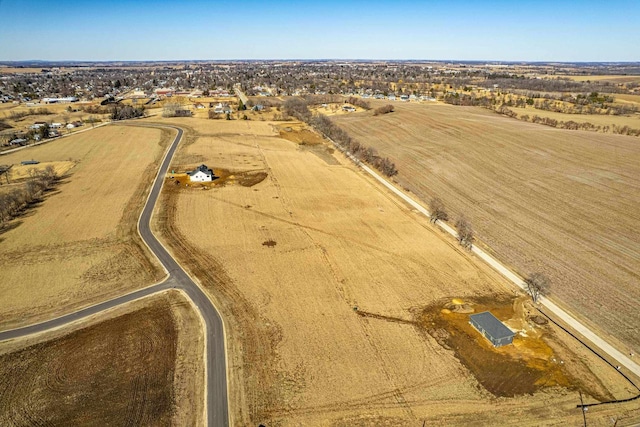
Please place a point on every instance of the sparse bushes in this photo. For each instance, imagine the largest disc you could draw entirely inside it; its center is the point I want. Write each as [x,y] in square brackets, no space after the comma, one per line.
[466,235]
[14,202]
[359,102]
[170,108]
[126,112]
[15,115]
[215,116]
[438,212]
[537,284]
[385,109]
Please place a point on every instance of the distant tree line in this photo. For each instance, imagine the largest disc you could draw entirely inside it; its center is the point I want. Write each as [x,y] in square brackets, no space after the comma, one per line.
[13,203]
[492,103]
[298,108]
[15,115]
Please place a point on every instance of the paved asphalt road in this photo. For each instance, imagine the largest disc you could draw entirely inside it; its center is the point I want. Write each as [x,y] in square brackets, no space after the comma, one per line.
[216,372]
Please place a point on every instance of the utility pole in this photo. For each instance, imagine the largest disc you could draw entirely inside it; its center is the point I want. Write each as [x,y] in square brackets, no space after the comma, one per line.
[584,410]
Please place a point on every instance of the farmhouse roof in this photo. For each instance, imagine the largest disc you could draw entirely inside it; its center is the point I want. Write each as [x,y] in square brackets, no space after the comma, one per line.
[492,325]
[202,168]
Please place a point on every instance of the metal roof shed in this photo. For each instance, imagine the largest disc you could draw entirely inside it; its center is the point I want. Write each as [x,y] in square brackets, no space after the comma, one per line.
[492,329]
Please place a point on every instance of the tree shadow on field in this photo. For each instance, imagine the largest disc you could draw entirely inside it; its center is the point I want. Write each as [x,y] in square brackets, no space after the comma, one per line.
[8,227]
[31,207]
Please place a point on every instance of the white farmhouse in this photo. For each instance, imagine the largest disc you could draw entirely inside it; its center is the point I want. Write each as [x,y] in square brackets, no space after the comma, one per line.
[201,174]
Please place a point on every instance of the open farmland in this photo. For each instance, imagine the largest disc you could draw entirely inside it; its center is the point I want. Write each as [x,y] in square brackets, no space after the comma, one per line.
[139,364]
[79,244]
[327,285]
[543,199]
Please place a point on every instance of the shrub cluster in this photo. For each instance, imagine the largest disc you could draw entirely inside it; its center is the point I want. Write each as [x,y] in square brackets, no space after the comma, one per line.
[14,202]
[126,112]
[385,109]
[15,115]
[359,102]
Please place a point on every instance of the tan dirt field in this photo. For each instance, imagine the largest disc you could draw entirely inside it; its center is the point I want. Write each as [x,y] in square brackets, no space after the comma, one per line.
[79,245]
[140,364]
[543,199]
[323,280]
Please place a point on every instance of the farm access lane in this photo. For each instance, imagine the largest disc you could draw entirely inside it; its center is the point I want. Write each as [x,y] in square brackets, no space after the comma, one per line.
[512,277]
[217,411]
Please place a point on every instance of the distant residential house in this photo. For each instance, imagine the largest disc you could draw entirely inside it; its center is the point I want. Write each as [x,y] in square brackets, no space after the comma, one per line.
[18,141]
[55,125]
[348,108]
[29,162]
[391,97]
[258,107]
[222,108]
[198,106]
[201,174]
[492,328]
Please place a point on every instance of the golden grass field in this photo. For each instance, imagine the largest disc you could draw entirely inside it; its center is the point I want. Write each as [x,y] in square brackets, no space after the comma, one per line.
[543,199]
[596,119]
[138,364]
[79,245]
[326,284]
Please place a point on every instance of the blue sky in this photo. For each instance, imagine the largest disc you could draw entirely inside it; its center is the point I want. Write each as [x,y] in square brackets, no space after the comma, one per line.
[183,29]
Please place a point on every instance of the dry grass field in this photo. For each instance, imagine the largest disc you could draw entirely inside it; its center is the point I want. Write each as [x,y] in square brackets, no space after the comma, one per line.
[614,78]
[135,365]
[339,301]
[79,244]
[543,199]
[632,121]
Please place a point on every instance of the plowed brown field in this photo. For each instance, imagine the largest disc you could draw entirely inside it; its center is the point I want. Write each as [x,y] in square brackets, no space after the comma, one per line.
[323,279]
[139,365]
[543,199]
[79,244]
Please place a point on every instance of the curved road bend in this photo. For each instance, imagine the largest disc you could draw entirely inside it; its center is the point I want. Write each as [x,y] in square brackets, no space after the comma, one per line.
[217,408]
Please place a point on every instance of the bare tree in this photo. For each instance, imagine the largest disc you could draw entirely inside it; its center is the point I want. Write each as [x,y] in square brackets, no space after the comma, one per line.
[537,284]
[465,232]
[438,212]
[170,109]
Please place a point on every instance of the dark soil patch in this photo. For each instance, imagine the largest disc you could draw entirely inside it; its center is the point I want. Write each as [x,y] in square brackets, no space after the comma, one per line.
[118,372]
[251,179]
[522,368]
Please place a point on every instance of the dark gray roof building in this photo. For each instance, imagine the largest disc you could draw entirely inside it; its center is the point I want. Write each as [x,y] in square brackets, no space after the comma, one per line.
[492,329]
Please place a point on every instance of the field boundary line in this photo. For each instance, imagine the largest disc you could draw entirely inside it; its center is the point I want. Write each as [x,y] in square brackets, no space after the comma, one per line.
[504,271]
